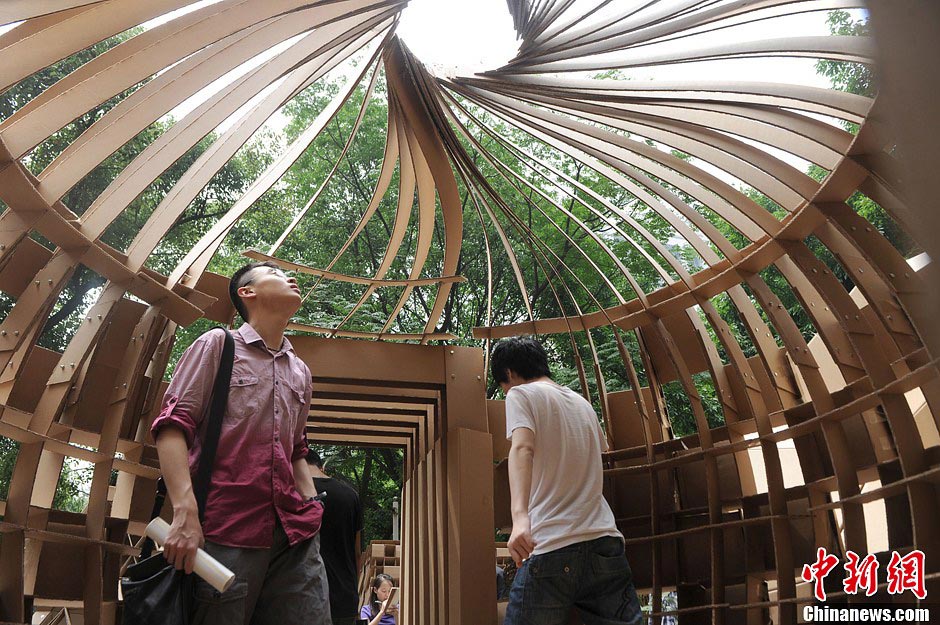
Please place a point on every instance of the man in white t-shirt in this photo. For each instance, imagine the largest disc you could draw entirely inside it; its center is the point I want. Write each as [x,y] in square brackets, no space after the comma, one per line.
[564,538]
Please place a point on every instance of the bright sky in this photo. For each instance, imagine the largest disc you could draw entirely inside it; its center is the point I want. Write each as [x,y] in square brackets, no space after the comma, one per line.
[471,36]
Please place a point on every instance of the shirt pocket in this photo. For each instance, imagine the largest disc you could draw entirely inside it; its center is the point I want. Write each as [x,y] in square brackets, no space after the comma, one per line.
[244,400]
[297,402]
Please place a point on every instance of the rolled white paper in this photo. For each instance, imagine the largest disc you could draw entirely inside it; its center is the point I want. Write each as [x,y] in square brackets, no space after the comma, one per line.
[206,567]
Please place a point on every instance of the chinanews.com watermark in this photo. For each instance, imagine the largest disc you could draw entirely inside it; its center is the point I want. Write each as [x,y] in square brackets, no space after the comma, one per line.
[903,574]
[867,614]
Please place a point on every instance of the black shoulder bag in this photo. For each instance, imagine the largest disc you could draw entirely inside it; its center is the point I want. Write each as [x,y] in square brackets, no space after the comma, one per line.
[154,592]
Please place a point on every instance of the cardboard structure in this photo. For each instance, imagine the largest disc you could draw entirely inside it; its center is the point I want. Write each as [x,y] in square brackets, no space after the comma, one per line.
[830,441]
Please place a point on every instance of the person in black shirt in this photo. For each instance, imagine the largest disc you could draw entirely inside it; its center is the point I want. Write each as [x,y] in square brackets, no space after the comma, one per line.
[340,541]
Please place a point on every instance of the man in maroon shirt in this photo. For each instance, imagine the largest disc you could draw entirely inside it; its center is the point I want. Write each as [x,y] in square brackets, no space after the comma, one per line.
[261,520]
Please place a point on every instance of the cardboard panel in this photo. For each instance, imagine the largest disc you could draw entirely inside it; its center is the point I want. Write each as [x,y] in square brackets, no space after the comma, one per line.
[733,544]
[625,422]
[694,564]
[692,491]
[364,360]
[803,540]
[155,409]
[466,389]
[24,263]
[863,454]
[810,448]
[628,495]
[31,382]
[142,500]
[729,482]
[98,386]
[133,413]
[640,555]
[683,333]
[659,357]
[897,507]
[61,583]
[502,497]
[214,285]
[471,553]
[496,419]
[667,501]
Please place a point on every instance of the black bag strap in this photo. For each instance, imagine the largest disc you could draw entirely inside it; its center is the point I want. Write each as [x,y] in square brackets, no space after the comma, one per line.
[220,388]
[223,381]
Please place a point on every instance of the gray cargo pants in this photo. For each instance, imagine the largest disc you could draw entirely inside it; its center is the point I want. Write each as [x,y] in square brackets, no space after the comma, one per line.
[282,585]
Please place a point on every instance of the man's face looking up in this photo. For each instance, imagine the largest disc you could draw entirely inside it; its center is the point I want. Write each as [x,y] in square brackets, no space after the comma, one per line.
[270,287]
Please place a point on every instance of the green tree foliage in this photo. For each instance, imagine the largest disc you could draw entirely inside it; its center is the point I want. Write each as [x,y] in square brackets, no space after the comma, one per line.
[71,492]
[845,76]
[8,450]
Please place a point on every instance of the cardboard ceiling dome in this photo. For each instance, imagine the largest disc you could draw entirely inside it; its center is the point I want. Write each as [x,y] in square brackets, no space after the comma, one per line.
[829,440]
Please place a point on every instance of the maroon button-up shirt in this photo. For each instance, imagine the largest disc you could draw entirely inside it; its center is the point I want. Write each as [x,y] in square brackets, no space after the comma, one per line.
[263,432]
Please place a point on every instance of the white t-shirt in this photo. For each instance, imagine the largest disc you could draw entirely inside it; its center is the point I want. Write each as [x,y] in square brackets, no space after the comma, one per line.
[566,501]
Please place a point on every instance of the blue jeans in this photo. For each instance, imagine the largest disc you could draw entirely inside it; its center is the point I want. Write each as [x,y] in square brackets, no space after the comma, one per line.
[592,577]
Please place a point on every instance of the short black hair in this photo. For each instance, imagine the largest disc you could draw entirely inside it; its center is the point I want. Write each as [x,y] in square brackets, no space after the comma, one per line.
[239,280]
[314,458]
[522,354]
